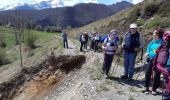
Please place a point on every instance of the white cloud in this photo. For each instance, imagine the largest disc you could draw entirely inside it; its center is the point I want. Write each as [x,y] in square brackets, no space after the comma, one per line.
[136,1]
[90,1]
[8,2]
[70,2]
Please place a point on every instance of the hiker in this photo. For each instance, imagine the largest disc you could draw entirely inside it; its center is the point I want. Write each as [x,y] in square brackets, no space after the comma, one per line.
[110,46]
[162,63]
[82,41]
[97,38]
[86,40]
[150,55]
[116,37]
[91,37]
[65,36]
[132,43]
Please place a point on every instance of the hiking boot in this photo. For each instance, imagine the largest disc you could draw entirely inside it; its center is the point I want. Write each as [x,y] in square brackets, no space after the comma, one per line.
[106,76]
[81,50]
[130,78]
[147,91]
[166,97]
[154,92]
[124,76]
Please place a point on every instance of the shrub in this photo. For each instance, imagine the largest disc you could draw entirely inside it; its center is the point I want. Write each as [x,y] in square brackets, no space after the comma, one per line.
[134,14]
[153,23]
[30,39]
[164,9]
[47,29]
[2,40]
[3,55]
[140,22]
[151,9]
[38,27]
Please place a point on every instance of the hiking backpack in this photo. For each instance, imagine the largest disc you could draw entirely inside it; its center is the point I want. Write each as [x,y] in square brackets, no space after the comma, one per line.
[127,41]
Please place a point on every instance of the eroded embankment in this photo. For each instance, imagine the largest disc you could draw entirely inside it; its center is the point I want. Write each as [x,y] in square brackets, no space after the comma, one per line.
[34,80]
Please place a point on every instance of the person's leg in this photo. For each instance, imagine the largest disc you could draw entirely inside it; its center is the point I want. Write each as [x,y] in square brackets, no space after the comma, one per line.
[66,43]
[148,74]
[126,65]
[86,45]
[156,83]
[63,43]
[110,59]
[132,59]
[166,91]
[81,46]
[104,64]
[97,42]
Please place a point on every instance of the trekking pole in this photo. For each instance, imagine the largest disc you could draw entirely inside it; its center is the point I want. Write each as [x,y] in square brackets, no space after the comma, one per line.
[118,63]
[139,73]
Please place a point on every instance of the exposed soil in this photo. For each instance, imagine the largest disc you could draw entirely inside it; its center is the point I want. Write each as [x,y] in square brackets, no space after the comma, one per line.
[36,79]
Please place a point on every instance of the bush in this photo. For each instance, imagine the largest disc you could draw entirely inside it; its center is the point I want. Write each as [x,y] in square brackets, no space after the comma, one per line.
[134,15]
[2,40]
[3,55]
[164,9]
[30,39]
[159,22]
[154,22]
[47,29]
[151,9]
[140,22]
[38,28]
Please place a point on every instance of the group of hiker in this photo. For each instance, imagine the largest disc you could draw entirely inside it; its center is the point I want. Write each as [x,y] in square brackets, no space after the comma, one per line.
[94,37]
[157,55]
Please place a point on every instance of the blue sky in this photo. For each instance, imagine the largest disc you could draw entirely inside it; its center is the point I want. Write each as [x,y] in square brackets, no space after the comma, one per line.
[13,2]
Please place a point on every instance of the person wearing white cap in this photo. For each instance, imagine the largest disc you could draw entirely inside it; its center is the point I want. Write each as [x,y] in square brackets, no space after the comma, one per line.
[132,43]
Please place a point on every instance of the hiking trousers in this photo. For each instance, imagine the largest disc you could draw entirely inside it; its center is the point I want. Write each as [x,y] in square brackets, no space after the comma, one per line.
[129,63]
[81,47]
[149,71]
[107,63]
[96,45]
[92,45]
[65,43]
[85,45]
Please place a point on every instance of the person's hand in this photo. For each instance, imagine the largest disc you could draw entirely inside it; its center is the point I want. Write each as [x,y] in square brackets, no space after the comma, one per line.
[146,55]
[115,47]
[103,47]
[137,49]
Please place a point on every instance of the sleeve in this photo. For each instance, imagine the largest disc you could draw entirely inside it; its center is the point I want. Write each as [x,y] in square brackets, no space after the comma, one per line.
[142,43]
[123,42]
[105,41]
[147,50]
[62,35]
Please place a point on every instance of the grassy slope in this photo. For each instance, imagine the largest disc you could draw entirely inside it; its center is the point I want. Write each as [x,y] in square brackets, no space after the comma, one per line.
[123,19]
[46,42]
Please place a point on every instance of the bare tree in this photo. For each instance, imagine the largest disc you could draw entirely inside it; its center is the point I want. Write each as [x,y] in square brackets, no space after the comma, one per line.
[19,26]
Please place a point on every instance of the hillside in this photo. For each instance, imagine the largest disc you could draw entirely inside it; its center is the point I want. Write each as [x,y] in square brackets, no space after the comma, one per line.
[75,16]
[148,15]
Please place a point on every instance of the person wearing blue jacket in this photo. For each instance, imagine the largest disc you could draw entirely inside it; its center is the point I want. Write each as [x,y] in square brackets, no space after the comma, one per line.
[150,55]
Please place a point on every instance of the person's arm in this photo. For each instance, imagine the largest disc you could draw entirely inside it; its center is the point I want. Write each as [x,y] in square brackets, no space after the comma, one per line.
[141,41]
[104,44]
[123,43]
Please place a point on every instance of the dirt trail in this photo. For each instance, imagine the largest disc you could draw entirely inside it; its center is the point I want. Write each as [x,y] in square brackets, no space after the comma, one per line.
[89,84]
